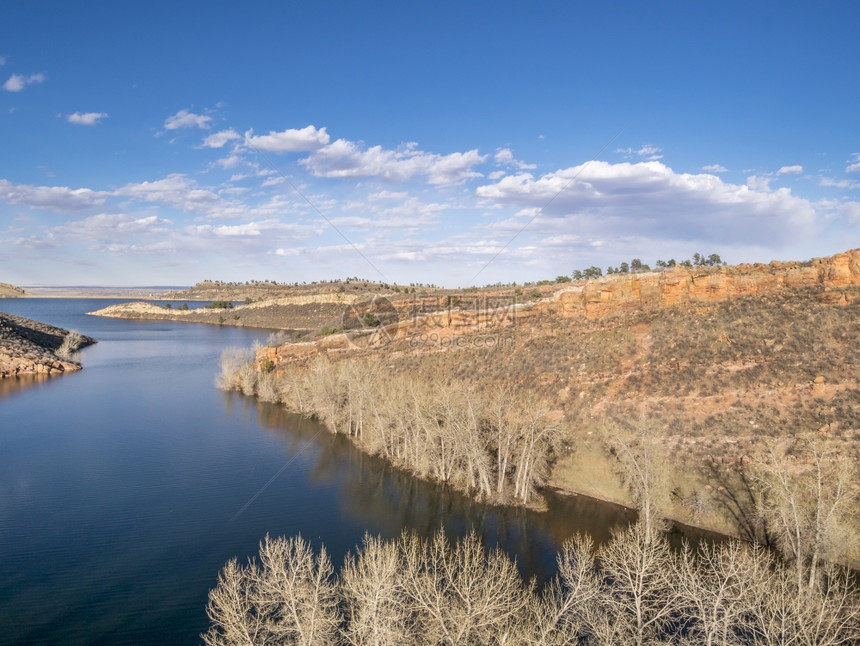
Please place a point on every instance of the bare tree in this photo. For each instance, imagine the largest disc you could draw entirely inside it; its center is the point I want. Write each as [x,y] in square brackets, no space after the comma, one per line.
[539,437]
[289,598]
[567,606]
[461,595]
[639,592]
[233,609]
[500,408]
[72,342]
[377,610]
[717,585]
[810,511]
[237,369]
[827,615]
[328,394]
[646,478]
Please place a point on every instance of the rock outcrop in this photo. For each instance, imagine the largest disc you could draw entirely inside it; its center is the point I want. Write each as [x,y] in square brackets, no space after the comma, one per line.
[828,278]
[31,348]
[680,285]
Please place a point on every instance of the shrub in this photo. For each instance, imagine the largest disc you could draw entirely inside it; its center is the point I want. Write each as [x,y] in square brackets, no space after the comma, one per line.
[72,342]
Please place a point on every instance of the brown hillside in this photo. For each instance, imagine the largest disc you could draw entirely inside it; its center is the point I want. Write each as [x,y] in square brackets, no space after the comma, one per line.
[717,364]
[10,291]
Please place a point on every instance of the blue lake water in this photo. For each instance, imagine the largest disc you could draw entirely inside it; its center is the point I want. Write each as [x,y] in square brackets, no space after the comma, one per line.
[125,487]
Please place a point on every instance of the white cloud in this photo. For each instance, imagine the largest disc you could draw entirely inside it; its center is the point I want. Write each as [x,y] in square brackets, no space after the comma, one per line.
[347,160]
[850,211]
[759,182]
[853,164]
[54,198]
[231,161]
[186,119]
[18,82]
[839,183]
[262,230]
[790,170]
[273,181]
[291,140]
[218,139]
[178,191]
[408,213]
[388,195]
[505,156]
[646,151]
[649,199]
[86,118]
[715,168]
[113,226]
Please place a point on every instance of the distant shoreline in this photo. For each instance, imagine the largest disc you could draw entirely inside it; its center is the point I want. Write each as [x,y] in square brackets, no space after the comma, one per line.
[98,291]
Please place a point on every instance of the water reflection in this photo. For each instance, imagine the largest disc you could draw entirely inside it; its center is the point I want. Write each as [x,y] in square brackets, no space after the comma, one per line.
[372,492]
[11,385]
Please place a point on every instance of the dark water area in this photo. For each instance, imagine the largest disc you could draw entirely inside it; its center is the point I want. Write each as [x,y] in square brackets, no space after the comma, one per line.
[125,487]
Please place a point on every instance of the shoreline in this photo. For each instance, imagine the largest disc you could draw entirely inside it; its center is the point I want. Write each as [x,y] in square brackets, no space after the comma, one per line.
[29,347]
[95,292]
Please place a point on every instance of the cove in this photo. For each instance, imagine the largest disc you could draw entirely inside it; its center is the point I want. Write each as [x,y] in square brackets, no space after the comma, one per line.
[125,487]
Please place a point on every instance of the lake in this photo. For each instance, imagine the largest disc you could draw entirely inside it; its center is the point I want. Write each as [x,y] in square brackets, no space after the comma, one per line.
[125,487]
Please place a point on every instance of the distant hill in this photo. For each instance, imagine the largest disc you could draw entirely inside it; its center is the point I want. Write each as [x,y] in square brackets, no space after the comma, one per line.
[10,291]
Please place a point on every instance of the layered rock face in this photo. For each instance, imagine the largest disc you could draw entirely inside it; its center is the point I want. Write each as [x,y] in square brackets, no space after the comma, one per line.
[649,290]
[828,279]
[681,285]
[30,348]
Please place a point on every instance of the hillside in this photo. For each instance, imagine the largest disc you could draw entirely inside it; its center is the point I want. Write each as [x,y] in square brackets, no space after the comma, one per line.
[714,366]
[10,291]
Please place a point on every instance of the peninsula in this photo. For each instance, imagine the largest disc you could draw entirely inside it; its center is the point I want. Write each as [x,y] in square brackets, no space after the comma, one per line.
[29,347]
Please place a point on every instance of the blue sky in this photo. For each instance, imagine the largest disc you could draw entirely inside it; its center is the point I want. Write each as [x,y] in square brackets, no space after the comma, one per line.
[446,142]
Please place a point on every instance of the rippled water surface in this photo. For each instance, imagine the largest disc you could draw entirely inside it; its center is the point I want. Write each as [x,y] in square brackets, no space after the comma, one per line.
[125,487]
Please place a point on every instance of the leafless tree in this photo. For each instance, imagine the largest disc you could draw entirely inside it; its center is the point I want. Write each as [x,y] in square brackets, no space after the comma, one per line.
[717,584]
[827,615]
[289,598]
[811,511]
[567,605]
[500,407]
[646,478]
[639,592]
[377,609]
[233,609]
[237,370]
[539,437]
[462,596]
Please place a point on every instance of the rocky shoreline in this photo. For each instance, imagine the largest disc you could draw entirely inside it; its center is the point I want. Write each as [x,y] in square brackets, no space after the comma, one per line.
[29,347]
